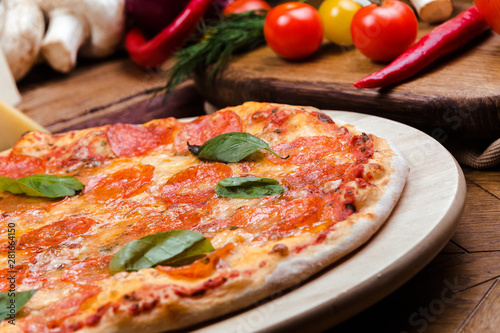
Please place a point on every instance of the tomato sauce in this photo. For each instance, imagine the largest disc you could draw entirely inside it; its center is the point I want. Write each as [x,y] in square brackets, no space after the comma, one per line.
[277,220]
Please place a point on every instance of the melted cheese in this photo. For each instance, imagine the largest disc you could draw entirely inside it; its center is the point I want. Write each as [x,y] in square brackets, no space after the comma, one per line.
[13,124]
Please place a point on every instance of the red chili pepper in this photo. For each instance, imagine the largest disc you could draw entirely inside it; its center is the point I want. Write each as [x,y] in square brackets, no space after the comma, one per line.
[154,52]
[442,40]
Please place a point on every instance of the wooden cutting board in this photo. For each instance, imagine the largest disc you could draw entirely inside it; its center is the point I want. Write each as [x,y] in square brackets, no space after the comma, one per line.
[458,95]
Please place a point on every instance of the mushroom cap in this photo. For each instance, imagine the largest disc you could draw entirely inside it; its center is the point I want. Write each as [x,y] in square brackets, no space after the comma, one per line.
[21,33]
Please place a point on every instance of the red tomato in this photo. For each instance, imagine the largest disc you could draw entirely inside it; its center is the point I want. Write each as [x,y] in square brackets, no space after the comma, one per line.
[491,12]
[240,6]
[384,32]
[294,30]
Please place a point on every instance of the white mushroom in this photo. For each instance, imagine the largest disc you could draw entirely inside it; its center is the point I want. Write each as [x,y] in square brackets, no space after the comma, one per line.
[92,28]
[22,27]
[433,11]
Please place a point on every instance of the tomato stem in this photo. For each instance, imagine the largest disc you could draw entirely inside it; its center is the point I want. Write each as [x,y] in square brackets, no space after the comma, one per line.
[378,2]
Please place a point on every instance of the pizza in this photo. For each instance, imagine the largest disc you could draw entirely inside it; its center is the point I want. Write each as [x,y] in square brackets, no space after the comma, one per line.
[164,233]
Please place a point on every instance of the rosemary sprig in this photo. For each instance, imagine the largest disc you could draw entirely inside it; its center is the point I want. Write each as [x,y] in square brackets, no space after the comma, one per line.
[236,33]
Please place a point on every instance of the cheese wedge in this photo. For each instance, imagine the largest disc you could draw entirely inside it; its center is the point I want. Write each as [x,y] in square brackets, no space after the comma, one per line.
[8,88]
[13,123]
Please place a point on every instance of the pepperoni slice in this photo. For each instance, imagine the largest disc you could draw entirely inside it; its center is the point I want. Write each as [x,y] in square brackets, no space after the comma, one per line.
[204,128]
[195,184]
[121,184]
[316,173]
[11,278]
[306,149]
[18,166]
[279,219]
[175,217]
[149,224]
[55,233]
[88,271]
[128,140]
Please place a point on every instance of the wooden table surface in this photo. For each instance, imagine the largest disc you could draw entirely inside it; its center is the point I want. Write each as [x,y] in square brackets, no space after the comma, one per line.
[458,291]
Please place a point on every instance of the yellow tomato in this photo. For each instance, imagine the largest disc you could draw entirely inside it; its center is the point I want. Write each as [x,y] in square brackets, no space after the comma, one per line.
[337,16]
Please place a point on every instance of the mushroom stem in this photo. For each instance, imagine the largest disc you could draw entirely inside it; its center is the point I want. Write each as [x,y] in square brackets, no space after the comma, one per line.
[433,11]
[66,33]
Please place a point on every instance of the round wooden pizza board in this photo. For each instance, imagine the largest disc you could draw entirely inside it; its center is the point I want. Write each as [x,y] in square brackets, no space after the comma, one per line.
[419,227]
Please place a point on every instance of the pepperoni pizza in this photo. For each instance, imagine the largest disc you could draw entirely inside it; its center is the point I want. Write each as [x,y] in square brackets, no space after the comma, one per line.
[336,187]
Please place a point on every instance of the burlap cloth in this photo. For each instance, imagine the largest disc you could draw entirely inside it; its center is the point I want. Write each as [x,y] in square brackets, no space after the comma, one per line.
[476,155]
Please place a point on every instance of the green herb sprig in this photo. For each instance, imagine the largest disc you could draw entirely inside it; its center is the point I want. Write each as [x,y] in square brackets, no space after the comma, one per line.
[235,33]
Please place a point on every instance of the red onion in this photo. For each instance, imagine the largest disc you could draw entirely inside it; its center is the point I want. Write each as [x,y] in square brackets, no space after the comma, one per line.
[151,16]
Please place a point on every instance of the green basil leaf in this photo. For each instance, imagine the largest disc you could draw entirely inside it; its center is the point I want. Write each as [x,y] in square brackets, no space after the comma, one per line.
[42,186]
[12,302]
[8,184]
[230,147]
[170,248]
[248,187]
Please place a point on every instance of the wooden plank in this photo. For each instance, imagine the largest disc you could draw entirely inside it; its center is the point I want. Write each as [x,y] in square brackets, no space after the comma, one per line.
[438,299]
[443,257]
[103,93]
[184,102]
[84,90]
[423,304]
[486,318]
[449,316]
[451,248]
[467,270]
[478,229]
[439,99]
[488,180]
